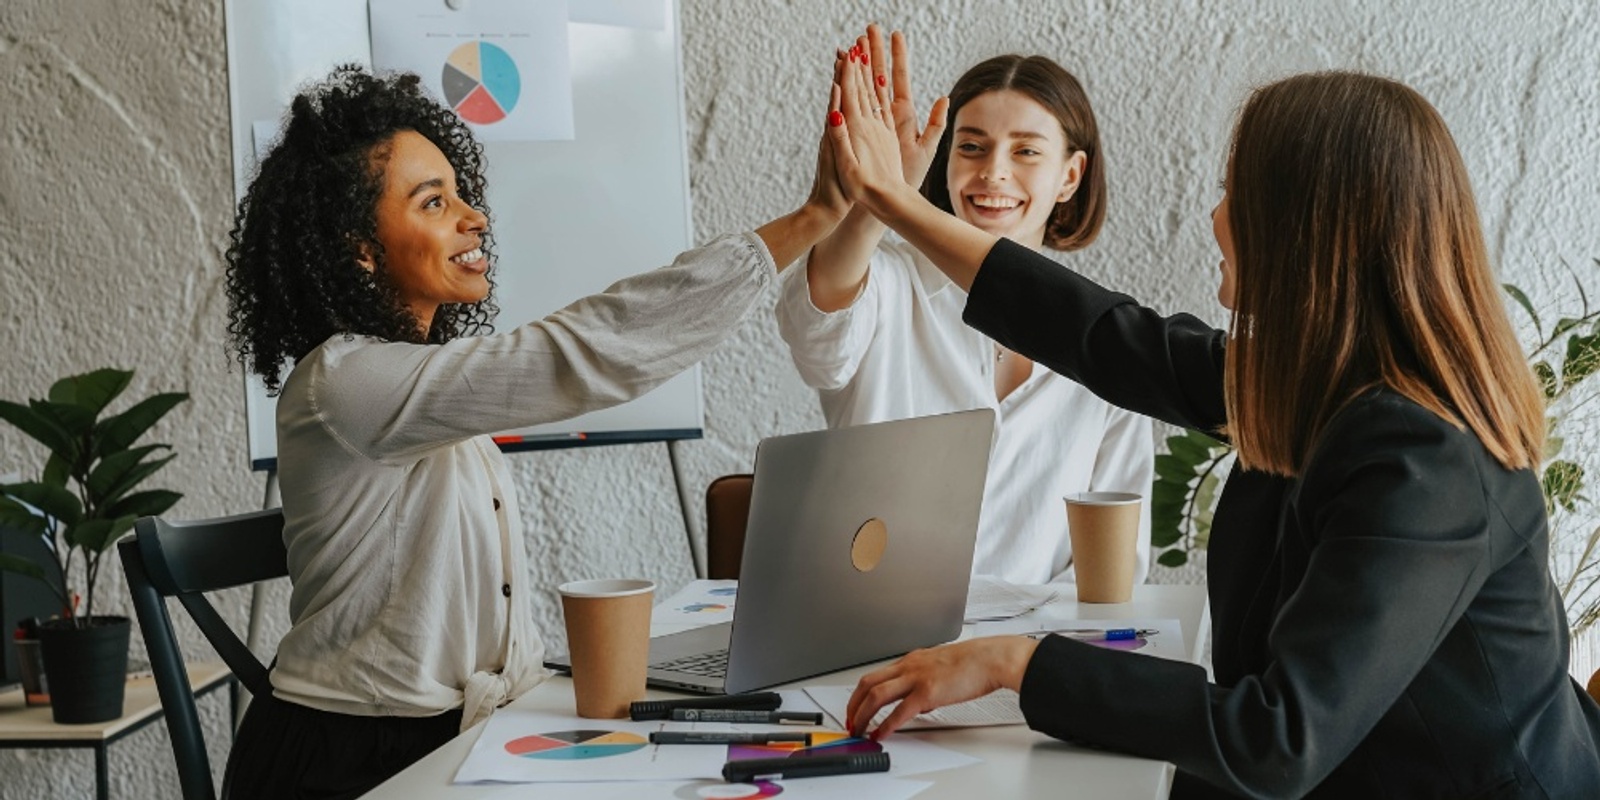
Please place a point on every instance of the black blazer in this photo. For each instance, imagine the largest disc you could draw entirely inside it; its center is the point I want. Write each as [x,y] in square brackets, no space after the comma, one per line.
[1385,625]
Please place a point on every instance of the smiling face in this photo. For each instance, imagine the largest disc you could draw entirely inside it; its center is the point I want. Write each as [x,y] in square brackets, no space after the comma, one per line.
[1010,164]
[431,238]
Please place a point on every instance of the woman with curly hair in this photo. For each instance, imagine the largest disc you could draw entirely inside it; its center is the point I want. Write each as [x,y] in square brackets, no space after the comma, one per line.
[360,265]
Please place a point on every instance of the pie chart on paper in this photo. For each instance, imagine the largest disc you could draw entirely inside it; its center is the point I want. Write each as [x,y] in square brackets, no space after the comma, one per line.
[576,745]
[481,82]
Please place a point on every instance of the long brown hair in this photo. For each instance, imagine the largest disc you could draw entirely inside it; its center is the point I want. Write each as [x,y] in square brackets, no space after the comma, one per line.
[1360,263]
[1074,223]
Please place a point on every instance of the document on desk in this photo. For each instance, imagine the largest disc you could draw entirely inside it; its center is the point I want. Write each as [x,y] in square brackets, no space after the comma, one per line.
[842,787]
[699,603]
[1162,638]
[535,747]
[990,599]
[996,708]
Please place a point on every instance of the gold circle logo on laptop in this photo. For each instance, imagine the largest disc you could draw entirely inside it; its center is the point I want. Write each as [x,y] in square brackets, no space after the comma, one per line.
[866,549]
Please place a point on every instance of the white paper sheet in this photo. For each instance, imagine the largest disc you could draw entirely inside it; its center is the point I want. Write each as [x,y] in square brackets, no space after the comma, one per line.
[502,65]
[996,708]
[532,747]
[842,787]
[1162,638]
[699,603]
[990,598]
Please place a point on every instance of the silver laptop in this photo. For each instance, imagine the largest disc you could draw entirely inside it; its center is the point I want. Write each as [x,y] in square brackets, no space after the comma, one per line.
[858,548]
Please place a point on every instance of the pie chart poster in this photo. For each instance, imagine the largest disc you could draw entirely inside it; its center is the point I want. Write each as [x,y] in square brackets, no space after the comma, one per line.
[501,64]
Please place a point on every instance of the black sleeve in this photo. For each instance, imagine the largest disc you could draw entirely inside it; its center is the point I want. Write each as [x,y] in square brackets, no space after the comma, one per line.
[1395,515]
[1169,368]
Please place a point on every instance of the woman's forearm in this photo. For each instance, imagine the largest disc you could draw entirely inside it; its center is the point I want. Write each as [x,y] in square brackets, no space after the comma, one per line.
[958,249]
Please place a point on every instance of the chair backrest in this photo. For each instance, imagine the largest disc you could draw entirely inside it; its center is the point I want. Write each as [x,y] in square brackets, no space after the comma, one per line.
[183,559]
[727,512]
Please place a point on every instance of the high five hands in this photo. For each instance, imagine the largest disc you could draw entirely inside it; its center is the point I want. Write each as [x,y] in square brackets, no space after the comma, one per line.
[877,144]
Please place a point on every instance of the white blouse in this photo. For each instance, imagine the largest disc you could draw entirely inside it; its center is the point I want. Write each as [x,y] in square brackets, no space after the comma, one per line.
[901,350]
[406,549]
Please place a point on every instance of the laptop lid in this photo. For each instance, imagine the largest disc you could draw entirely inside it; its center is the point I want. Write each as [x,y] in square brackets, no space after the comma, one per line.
[859,545]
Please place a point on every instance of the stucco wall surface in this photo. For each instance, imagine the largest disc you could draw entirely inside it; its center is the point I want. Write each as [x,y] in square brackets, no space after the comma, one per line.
[115,203]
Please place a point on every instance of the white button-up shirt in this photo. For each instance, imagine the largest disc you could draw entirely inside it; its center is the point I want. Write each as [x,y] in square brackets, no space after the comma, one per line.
[405,538]
[901,350]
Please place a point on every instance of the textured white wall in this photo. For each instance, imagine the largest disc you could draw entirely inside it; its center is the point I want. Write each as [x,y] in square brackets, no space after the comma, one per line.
[115,202]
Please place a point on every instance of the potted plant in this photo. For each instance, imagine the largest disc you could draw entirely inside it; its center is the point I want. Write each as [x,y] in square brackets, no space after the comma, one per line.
[83,501]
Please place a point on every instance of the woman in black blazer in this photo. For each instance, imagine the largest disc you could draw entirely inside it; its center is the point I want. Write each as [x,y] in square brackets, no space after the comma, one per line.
[1385,620]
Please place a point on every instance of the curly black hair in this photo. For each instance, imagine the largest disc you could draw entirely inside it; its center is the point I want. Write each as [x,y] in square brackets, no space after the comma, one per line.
[293,275]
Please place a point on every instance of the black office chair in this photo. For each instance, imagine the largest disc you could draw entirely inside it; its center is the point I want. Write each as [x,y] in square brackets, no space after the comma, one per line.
[183,559]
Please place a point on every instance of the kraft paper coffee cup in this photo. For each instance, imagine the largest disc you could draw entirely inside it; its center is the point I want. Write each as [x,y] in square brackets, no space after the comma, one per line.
[608,636]
[1105,544]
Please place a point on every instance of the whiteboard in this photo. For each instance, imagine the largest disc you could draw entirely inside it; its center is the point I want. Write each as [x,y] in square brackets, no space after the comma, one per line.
[570,217]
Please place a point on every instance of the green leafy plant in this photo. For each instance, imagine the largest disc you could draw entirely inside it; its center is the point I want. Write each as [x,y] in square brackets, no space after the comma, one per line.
[1183,496]
[84,499]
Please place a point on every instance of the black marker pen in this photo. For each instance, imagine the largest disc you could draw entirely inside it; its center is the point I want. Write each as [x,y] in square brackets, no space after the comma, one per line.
[728,737]
[754,769]
[744,715]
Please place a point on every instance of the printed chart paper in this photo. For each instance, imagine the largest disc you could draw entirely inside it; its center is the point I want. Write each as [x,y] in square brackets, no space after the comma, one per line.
[502,65]
[699,603]
[842,787]
[529,747]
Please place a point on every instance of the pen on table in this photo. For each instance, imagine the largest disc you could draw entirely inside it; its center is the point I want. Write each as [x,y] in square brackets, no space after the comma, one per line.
[753,769]
[728,737]
[1092,635]
[746,715]
[662,709]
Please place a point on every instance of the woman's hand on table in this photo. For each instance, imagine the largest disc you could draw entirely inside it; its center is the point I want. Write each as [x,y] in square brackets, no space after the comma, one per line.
[939,676]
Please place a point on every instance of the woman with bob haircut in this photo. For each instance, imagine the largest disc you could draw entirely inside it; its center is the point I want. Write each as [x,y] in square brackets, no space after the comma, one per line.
[876,329]
[1385,622]
[361,264]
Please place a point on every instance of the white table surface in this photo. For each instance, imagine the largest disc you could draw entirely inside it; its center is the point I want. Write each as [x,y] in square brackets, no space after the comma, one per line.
[1016,761]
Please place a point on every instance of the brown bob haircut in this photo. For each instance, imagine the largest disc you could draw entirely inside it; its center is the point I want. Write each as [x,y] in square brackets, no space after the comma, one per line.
[1360,263]
[1073,224]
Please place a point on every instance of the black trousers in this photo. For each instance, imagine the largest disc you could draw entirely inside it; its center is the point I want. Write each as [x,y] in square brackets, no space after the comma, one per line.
[284,750]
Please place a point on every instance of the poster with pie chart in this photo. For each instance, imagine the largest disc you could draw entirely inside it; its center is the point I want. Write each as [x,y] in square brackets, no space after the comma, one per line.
[481,82]
[501,65]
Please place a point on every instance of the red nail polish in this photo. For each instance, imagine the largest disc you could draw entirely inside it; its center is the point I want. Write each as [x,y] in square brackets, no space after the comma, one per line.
[864,57]
[882,81]
[835,119]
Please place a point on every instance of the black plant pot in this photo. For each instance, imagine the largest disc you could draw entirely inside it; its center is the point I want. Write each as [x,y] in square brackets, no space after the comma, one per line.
[87,668]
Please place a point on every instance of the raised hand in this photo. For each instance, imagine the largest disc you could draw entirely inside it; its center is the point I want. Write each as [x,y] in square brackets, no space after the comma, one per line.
[936,677]
[917,145]
[866,147]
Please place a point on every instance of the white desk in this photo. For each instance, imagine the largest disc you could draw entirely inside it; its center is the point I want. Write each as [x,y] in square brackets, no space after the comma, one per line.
[1016,761]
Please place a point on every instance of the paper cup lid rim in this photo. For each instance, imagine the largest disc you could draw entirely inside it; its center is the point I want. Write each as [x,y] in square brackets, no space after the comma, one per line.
[620,587]
[1104,498]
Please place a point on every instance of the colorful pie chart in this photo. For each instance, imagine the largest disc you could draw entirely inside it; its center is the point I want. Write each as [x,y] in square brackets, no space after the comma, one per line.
[481,82]
[576,745]
[734,791]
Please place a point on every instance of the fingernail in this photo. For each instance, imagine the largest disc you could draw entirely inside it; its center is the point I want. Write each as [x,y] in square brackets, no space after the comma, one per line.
[835,119]
[864,57]
[882,80]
